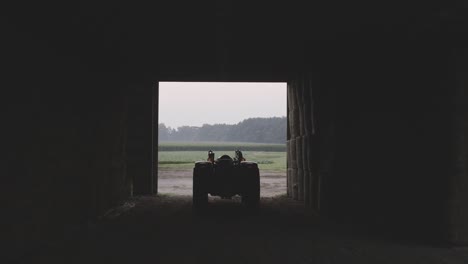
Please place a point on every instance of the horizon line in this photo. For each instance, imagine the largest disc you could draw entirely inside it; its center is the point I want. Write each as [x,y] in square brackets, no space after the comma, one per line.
[162,123]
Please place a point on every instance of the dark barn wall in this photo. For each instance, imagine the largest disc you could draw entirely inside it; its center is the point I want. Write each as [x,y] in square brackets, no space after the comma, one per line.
[391,131]
[65,131]
[373,102]
[140,138]
[460,216]
[385,110]
[458,198]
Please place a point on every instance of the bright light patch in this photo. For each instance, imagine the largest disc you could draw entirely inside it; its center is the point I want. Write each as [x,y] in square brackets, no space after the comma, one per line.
[198,103]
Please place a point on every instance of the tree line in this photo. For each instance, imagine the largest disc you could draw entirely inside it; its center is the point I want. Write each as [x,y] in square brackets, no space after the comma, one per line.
[259,130]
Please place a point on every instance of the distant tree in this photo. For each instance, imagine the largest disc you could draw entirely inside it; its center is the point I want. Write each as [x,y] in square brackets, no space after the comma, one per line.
[260,130]
[164,132]
[185,133]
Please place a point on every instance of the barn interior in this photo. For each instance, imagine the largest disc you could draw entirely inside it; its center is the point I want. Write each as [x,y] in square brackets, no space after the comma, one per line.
[377,115]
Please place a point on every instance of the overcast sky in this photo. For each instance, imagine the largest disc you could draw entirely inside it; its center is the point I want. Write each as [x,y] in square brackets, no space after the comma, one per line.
[198,103]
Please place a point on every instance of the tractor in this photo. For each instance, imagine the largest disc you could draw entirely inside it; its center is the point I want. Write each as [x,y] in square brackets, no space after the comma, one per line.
[226,177]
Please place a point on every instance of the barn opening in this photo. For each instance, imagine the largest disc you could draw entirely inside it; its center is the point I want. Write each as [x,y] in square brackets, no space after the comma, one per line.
[195,117]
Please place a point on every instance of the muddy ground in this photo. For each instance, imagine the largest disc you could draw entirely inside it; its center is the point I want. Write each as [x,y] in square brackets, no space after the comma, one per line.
[179,182]
[165,229]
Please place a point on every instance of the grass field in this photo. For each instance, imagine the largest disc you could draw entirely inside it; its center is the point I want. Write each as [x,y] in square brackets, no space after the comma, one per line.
[217,146]
[185,159]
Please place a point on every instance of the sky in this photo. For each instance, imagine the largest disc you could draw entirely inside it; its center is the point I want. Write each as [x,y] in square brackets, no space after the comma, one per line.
[198,103]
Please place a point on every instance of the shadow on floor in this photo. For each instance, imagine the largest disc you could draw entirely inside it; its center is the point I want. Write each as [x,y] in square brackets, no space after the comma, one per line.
[165,229]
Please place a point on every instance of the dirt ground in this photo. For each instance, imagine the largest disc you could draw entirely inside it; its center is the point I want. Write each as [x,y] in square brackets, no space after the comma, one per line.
[165,229]
[179,182]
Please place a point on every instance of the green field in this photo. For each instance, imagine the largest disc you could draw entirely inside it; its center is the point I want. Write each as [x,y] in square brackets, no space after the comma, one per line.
[217,146]
[185,159]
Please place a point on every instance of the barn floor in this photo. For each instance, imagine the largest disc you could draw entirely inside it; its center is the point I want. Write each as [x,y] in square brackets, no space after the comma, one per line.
[164,229]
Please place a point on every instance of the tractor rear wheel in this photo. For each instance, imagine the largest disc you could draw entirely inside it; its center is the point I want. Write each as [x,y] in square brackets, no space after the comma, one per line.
[251,197]
[200,195]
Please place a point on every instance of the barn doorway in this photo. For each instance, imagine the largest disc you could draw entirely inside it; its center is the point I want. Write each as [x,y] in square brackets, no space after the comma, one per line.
[195,117]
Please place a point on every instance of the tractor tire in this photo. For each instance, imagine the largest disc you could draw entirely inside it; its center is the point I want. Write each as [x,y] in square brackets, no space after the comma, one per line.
[200,195]
[251,197]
